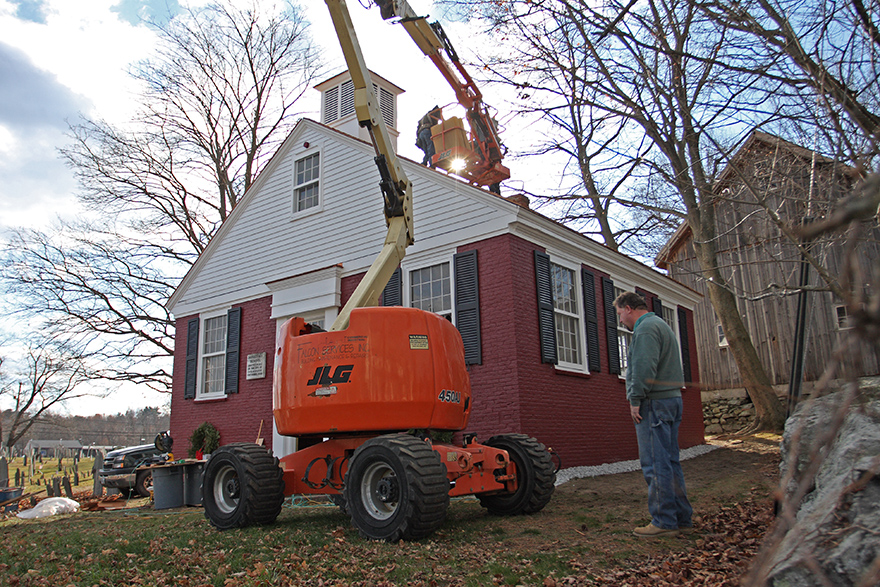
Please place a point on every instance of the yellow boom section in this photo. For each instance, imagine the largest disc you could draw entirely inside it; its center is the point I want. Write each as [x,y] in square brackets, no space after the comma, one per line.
[396,188]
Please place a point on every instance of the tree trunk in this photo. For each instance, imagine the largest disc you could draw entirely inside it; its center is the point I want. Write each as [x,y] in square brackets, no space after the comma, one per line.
[769,412]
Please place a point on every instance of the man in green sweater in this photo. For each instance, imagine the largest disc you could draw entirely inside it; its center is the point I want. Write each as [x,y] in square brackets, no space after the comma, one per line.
[654,380]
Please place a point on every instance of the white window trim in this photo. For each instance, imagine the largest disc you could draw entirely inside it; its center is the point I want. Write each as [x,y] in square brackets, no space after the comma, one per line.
[561,365]
[423,262]
[200,376]
[620,287]
[295,215]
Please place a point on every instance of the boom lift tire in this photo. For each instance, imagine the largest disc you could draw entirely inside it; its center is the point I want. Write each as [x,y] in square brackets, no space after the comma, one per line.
[535,477]
[242,486]
[396,488]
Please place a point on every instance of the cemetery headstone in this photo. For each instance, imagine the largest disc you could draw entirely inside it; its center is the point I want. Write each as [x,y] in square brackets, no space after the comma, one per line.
[4,472]
[97,489]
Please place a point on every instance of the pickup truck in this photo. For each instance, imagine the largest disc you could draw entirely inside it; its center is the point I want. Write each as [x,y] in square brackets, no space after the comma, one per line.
[125,468]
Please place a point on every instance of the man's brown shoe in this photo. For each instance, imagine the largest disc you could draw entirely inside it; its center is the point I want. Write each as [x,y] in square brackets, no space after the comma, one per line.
[652,531]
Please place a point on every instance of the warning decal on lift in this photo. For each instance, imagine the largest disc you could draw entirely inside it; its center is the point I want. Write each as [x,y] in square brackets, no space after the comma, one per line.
[418,341]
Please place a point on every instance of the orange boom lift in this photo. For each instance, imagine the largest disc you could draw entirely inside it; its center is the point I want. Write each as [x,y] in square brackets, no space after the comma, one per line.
[365,396]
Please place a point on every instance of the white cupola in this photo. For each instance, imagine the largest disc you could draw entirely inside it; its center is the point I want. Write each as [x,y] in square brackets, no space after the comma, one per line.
[337,105]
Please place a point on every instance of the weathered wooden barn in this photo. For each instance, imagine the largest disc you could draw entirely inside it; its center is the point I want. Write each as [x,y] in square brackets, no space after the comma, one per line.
[769,186]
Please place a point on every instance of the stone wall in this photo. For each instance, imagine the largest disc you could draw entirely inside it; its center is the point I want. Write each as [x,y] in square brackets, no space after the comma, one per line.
[726,415]
[726,411]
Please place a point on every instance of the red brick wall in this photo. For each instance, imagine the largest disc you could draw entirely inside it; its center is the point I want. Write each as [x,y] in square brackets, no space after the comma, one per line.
[584,418]
[238,416]
[347,286]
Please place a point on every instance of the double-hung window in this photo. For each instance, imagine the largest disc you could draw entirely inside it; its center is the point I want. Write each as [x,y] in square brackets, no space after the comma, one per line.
[624,337]
[566,314]
[431,289]
[306,183]
[213,369]
[212,355]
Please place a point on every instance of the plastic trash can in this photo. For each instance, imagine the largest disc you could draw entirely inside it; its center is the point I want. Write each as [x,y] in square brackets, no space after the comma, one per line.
[167,487]
[192,483]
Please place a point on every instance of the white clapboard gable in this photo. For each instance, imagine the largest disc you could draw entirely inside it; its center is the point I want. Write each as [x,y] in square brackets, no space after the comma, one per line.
[262,241]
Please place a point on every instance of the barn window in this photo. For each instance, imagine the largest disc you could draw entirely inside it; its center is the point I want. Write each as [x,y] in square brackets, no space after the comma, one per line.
[722,339]
[841,315]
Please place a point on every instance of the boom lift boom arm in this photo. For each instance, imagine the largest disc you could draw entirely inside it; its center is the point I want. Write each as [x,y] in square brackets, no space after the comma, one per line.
[485,166]
[396,187]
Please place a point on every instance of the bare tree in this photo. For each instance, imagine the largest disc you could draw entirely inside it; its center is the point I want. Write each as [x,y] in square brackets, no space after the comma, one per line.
[219,96]
[650,71]
[829,51]
[48,378]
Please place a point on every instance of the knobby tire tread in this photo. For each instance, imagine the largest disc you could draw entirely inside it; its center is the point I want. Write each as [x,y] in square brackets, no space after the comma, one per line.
[539,477]
[261,482]
[427,488]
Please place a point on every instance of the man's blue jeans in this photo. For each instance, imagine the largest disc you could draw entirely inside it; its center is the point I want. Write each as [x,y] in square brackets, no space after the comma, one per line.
[658,454]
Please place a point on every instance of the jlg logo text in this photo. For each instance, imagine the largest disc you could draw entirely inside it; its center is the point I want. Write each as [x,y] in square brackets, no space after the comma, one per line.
[322,375]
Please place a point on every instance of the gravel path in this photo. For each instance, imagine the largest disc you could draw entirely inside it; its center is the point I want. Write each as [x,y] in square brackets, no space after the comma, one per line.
[622,466]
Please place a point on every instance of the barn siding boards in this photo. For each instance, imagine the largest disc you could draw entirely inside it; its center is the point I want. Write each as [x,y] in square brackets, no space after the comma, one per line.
[752,255]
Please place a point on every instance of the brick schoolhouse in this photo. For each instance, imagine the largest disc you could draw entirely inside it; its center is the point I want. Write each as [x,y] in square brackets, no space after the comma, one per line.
[532,298]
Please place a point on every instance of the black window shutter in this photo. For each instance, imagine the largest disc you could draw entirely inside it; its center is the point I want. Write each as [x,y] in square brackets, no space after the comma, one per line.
[392,295]
[685,346]
[611,326]
[192,358]
[588,282]
[546,320]
[467,305]
[657,307]
[233,338]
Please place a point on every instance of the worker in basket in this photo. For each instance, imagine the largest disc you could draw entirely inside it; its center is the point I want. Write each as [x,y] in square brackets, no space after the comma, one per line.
[423,133]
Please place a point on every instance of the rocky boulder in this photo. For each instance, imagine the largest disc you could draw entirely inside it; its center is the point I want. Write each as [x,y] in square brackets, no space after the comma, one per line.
[829,524]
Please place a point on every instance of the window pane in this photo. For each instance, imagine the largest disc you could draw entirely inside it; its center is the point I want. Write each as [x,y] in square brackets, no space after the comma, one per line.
[430,289]
[669,317]
[564,297]
[306,183]
[215,335]
[568,339]
[567,317]
[306,197]
[215,374]
[623,340]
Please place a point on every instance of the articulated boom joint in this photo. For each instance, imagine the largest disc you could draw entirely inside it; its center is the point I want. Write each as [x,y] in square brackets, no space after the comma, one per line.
[391,192]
